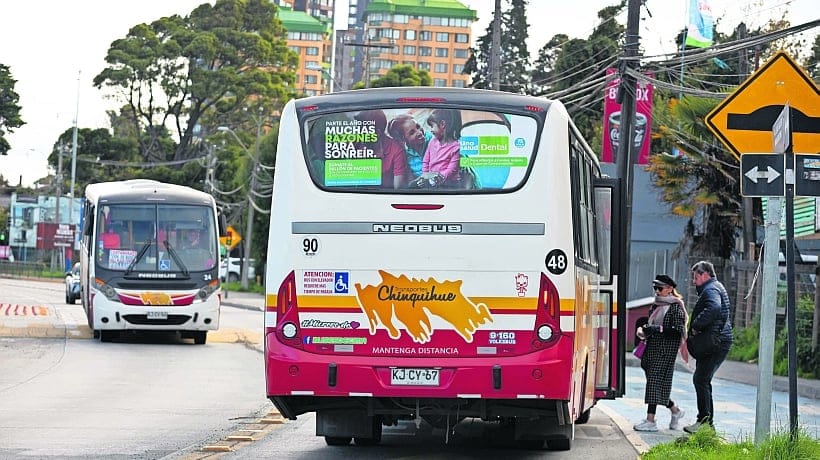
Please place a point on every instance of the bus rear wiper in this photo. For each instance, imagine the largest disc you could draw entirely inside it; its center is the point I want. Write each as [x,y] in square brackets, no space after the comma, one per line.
[142,252]
[176,258]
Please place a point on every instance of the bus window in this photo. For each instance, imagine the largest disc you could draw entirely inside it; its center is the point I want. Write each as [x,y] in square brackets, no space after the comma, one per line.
[419,149]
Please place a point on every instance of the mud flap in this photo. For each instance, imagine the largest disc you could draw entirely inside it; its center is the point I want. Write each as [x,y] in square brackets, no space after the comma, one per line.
[344,424]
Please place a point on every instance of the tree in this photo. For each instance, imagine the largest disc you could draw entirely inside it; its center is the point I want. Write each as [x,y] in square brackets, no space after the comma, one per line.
[9,108]
[812,64]
[701,182]
[577,71]
[515,58]
[179,72]
[403,75]
[543,67]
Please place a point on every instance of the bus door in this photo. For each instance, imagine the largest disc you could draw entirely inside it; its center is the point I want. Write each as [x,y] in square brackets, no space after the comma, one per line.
[611,323]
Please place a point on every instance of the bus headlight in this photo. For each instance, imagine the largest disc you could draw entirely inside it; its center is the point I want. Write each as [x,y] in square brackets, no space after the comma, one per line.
[107,291]
[289,330]
[206,291]
[545,332]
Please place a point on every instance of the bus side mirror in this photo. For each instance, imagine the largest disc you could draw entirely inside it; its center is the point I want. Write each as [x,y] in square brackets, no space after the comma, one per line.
[223,225]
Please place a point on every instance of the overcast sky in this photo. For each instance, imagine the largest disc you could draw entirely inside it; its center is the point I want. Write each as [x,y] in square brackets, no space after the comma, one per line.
[55,48]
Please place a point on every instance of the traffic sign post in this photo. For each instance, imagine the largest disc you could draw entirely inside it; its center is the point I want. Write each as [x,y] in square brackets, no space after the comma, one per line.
[790,291]
[744,120]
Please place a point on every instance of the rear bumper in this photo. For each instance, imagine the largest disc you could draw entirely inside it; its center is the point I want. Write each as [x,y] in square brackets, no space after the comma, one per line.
[299,382]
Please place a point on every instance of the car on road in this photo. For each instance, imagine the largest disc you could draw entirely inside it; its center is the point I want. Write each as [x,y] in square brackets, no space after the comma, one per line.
[230,269]
[72,284]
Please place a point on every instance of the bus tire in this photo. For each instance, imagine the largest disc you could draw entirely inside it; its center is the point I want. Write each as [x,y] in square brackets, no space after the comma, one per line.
[337,440]
[583,418]
[200,337]
[96,333]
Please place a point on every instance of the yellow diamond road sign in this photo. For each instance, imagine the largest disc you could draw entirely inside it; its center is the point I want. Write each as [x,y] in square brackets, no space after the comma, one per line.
[232,239]
[743,121]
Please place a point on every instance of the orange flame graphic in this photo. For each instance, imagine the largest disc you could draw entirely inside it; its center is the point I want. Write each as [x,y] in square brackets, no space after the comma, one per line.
[411,302]
[155,298]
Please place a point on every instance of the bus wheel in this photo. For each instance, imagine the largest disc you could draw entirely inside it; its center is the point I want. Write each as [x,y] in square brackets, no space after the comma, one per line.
[200,337]
[337,440]
[583,418]
[106,336]
[96,333]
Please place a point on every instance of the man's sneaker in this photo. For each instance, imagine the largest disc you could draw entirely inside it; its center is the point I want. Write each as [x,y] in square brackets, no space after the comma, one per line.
[693,428]
[646,425]
[675,422]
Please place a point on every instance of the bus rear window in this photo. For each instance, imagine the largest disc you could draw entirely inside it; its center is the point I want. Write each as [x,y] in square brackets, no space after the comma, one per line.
[419,150]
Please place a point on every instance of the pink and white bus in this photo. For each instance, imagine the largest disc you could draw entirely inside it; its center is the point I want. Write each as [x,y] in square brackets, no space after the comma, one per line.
[439,254]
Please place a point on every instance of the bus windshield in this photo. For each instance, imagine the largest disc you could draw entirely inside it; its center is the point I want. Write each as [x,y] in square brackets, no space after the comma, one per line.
[419,149]
[155,238]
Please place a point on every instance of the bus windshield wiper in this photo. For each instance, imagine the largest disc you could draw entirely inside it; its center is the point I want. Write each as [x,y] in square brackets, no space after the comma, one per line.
[142,252]
[176,258]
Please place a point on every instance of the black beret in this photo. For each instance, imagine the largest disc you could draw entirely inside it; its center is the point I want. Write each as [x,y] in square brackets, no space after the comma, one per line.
[664,280]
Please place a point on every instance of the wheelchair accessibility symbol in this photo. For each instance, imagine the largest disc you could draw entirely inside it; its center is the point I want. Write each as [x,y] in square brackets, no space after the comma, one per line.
[164,264]
[340,285]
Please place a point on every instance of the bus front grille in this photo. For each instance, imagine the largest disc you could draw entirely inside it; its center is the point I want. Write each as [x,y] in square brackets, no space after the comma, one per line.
[172,320]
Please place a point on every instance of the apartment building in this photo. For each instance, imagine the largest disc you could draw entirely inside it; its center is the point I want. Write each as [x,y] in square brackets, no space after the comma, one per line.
[311,39]
[432,35]
[319,9]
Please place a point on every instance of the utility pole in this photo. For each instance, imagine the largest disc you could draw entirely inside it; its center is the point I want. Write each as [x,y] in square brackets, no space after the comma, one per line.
[259,119]
[70,250]
[60,151]
[748,202]
[495,52]
[626,154]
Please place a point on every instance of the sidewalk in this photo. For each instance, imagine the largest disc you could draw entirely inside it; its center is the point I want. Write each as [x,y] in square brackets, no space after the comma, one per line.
[735,397]
[746,373]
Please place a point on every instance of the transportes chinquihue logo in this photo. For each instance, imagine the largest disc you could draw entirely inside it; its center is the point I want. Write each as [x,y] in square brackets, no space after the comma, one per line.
[399,301]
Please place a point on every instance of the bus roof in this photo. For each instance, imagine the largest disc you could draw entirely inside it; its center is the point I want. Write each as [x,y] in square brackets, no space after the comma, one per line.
[427,96]
[144,189]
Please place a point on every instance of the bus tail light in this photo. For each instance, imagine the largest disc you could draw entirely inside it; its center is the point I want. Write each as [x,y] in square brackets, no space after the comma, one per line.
[287,323]
[548,315]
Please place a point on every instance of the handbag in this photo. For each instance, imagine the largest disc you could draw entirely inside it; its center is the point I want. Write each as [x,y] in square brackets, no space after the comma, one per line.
[638,351]
[703,344]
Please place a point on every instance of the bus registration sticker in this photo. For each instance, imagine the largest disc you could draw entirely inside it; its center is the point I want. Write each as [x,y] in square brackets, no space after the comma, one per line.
[405,376]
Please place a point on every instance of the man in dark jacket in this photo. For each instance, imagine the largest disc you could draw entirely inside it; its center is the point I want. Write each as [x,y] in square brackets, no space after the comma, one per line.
[712,312]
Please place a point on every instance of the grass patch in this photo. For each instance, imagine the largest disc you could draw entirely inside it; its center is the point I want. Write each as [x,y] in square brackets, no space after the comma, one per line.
[236,286]
[706,444]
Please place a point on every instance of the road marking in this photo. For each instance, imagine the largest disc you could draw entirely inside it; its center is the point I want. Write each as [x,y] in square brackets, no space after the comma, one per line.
[8,309]
[241,437]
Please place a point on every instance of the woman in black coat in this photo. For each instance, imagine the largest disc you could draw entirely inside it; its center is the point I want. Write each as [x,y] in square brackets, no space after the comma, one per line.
[663,335]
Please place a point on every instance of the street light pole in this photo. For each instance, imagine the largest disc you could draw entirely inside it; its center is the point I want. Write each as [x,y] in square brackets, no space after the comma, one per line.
[324,71]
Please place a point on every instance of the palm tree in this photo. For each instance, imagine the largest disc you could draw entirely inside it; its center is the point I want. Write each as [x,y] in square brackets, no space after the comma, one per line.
[698,178]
